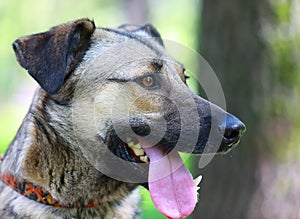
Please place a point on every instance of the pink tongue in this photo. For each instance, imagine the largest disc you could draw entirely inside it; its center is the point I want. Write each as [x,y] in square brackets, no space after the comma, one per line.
[171,185]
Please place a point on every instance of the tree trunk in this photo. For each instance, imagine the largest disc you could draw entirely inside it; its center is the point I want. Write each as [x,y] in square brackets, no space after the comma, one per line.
[232,43]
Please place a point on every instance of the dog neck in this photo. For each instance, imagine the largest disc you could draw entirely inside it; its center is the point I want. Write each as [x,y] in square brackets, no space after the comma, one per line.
[40,195]
[41,156]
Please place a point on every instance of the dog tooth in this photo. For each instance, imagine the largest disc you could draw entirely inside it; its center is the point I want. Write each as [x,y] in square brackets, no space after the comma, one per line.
[138,151]
[198,180]
[138,145]
[144,159]
[130,144]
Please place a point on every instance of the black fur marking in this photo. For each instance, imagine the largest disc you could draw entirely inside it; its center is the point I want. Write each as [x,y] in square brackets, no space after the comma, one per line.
[50,55]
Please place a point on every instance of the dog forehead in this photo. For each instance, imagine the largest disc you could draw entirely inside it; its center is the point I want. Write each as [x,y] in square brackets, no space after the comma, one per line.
[133,43]
[113,51]
[112,47]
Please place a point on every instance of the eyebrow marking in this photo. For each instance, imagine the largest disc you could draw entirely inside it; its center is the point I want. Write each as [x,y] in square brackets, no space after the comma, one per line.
[157,64]
[118,80]
[151,67]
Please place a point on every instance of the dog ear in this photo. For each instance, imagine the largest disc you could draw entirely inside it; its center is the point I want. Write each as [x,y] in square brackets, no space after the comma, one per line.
[147,28]
[50,55]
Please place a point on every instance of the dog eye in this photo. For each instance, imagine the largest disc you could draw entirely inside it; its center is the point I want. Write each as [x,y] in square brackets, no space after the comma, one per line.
[149,81]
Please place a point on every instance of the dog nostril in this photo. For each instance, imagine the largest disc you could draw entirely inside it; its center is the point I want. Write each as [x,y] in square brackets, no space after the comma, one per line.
[231,134]
[234,128]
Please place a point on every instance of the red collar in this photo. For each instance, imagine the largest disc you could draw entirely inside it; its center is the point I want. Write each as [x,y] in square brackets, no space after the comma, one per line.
[40,195]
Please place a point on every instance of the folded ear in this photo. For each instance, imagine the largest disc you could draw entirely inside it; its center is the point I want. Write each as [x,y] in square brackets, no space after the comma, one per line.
[147,28]
[50,55]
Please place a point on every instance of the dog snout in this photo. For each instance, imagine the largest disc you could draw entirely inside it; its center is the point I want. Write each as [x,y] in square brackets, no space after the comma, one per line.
[233,129]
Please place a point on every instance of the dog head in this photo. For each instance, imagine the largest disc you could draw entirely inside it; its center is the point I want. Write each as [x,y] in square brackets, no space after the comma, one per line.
[124,92]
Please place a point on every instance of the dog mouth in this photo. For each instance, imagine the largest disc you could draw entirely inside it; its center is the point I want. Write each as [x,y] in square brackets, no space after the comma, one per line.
[130,150]
[172,187]
[135,150]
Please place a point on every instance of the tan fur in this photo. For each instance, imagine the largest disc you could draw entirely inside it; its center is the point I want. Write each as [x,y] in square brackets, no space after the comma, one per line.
[89,80]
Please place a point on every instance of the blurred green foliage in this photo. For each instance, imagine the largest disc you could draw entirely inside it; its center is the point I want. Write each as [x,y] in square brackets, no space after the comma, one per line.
[284,40]
[283,10]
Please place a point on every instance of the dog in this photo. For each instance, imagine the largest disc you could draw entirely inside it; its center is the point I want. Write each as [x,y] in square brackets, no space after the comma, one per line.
[111,112]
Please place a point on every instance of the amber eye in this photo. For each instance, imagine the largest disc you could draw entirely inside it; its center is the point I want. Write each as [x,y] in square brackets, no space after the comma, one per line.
[148,81]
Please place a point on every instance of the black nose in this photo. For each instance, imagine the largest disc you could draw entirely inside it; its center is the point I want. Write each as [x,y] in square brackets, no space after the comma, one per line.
[233,129]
